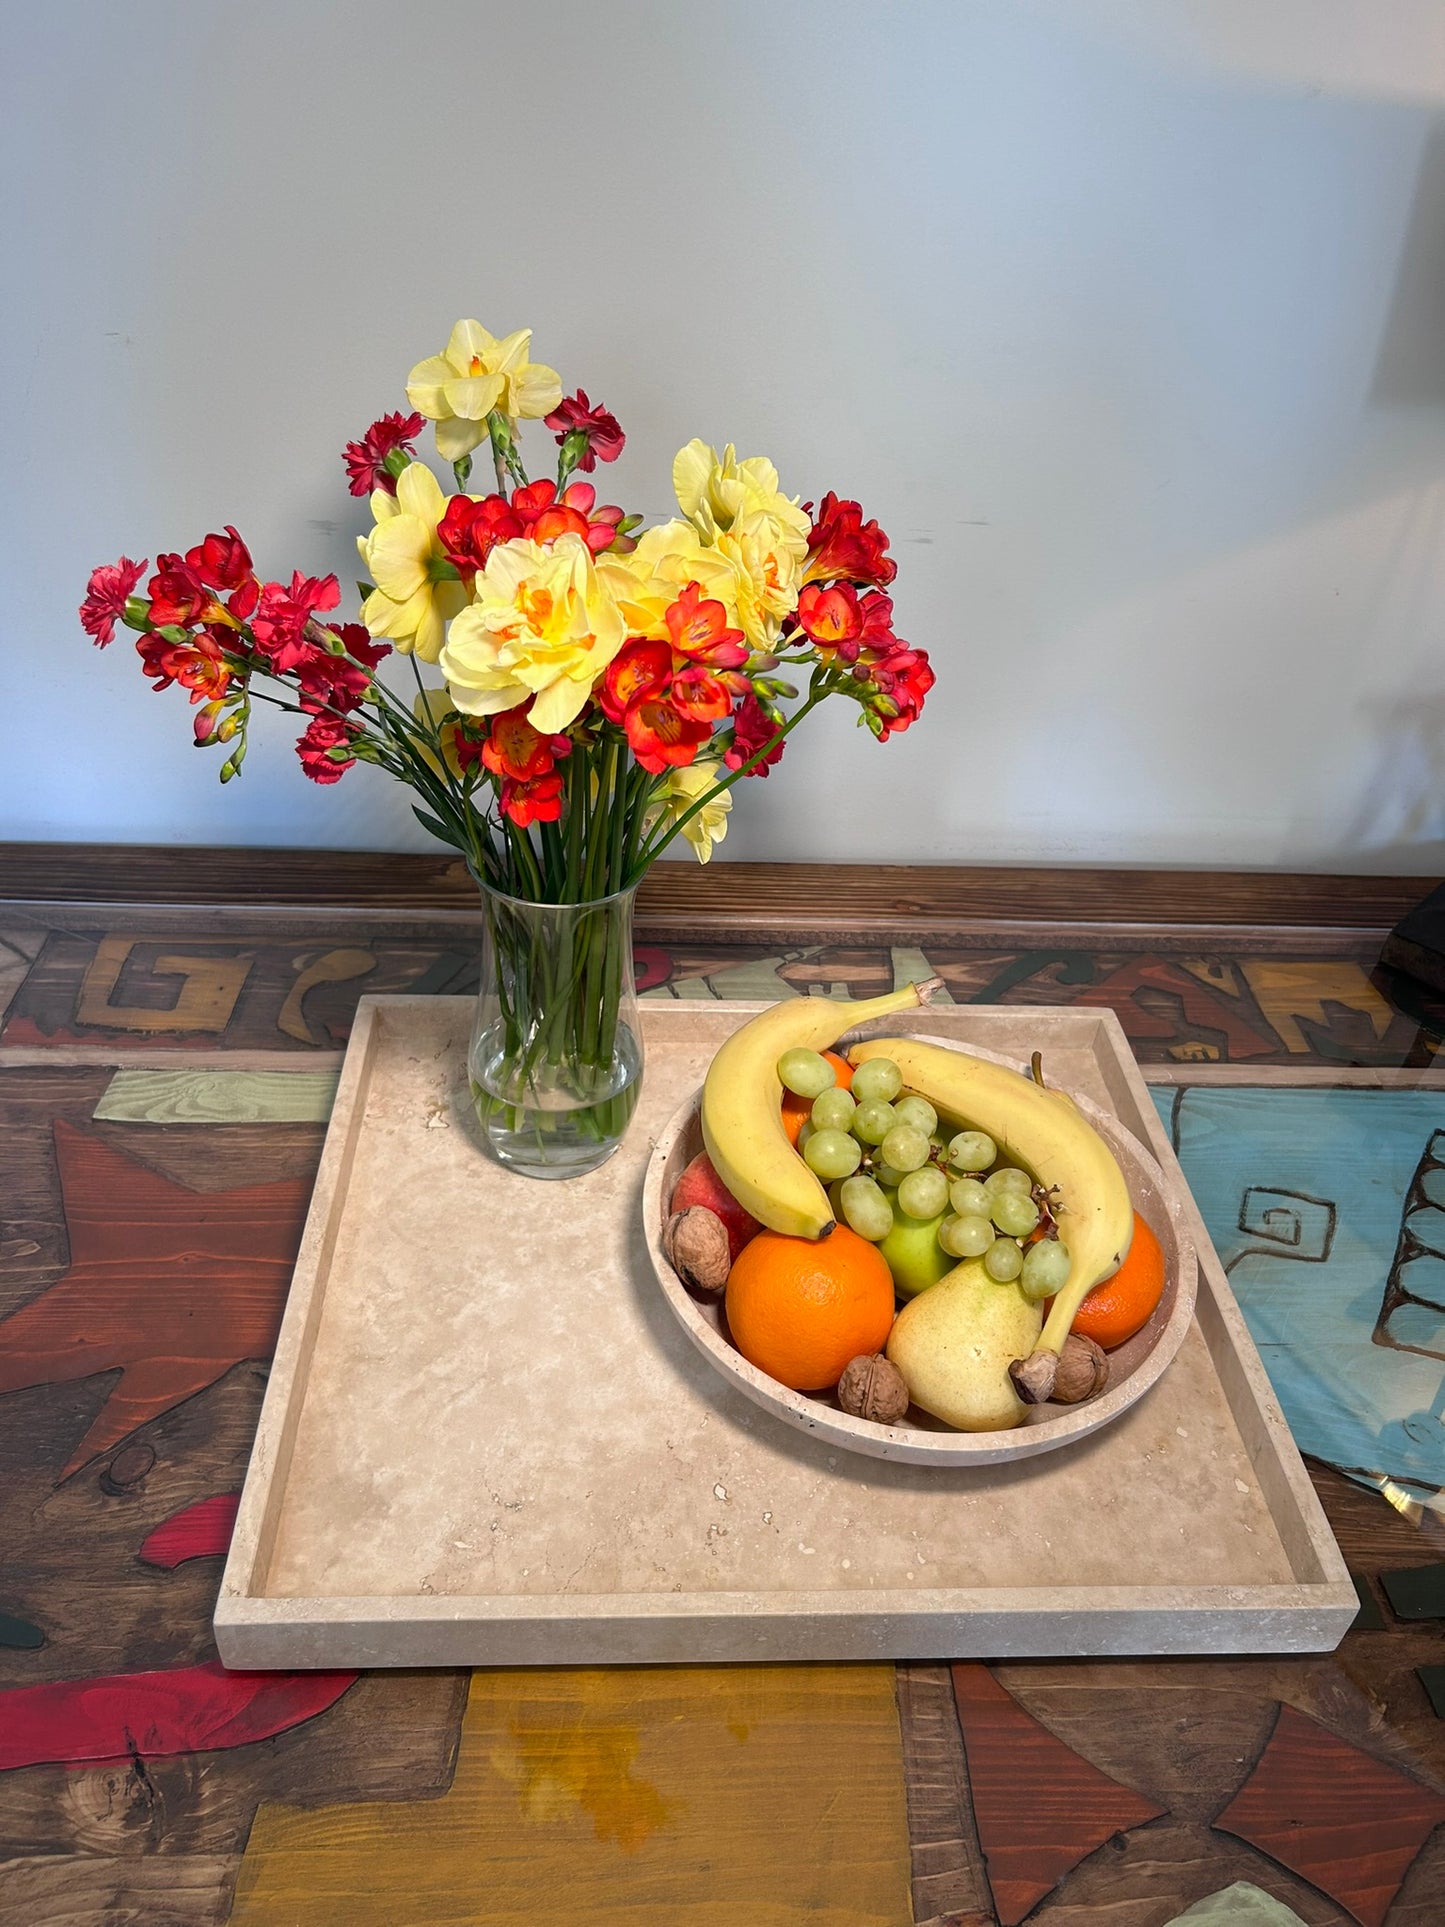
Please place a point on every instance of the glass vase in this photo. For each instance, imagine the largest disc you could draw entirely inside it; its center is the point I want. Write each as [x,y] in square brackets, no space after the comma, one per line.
[555,1060]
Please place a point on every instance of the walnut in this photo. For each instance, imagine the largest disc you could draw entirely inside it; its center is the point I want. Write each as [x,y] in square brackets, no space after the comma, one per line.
[696,1244]
[1083,1370]
[872,1387]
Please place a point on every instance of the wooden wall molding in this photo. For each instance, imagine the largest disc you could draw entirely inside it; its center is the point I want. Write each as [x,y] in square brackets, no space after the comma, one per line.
[762,902]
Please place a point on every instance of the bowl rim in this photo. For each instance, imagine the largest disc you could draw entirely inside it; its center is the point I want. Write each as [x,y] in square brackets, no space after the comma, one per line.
[1064,1425]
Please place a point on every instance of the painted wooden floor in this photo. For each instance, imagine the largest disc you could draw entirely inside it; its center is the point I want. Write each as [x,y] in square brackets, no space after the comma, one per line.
[153,1175]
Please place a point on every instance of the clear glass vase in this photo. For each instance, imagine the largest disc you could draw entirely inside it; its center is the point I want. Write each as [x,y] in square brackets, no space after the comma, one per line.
[555,1061]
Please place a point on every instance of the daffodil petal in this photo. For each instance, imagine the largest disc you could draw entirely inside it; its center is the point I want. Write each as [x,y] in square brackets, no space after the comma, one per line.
[398,556]
[419,493]
[457,437]
[510,353]
[691,468]
[469,338]
[536,391]
[424,386]
[473,397]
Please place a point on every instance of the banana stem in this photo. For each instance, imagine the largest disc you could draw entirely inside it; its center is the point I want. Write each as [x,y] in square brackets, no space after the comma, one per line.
[1033,1377]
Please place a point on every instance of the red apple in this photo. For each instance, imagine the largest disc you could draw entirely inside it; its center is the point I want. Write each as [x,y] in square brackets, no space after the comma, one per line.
[700,1184]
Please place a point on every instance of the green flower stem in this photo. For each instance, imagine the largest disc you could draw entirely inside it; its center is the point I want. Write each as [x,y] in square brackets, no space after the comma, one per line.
[654,849]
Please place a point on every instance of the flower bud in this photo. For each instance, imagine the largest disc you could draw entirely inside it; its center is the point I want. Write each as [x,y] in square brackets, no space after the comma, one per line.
[137,613]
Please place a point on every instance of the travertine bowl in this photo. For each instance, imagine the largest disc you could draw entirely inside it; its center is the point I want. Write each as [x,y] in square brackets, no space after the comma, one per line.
[1133,1367]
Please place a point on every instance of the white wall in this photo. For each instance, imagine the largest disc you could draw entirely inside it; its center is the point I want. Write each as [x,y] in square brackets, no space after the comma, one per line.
[1127,321]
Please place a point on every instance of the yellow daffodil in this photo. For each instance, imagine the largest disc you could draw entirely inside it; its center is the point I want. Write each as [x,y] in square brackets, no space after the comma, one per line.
[716,494]
[748,524]
[541,623]
[435,710]
[411,602]
[681,791]
[645,583]
[474,374]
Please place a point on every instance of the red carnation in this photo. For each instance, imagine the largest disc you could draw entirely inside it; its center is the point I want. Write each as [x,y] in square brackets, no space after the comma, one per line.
[842,545]
[366,460]
[324,734]
[328,682]
[106,594]
[576,416]
[282,614]
[223,561]
[357,639]
[752,727]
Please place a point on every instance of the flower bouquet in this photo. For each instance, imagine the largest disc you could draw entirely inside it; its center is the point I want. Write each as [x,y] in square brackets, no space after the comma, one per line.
[602,689]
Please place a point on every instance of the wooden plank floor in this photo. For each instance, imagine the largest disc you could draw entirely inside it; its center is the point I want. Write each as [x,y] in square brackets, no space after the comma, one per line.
[145,1231]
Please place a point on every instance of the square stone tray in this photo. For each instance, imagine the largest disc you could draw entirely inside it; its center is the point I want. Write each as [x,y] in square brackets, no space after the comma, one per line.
[487,1440]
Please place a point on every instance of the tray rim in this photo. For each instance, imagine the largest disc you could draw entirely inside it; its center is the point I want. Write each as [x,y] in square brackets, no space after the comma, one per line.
[1310,1612]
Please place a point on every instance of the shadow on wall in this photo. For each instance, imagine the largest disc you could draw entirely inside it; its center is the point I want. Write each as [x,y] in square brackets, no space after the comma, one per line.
[1410,366]
[1401,818]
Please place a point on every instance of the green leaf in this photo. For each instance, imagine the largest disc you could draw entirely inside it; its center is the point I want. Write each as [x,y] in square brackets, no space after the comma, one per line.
[435,828]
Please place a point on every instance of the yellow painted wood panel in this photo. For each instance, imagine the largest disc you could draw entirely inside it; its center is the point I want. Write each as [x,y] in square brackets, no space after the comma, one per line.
[739,1796]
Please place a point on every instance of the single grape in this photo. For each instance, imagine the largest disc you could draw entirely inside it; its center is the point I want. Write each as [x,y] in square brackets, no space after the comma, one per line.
[806,1073]
[1008,1177]
[1046,1268]
[885,1175]
[833,1111]
[877,1077]
[1014,1212]
[923,1193]
[966,1237]
[866,1209]
[832,1154]
[1003,1261]
[917,1111]
[905,1147]
[873,1120]
[972,1151]
[805,1131]
[968,1198]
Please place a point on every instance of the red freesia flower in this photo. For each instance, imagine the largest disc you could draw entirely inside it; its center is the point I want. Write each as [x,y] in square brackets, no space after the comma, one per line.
[366,460]
[106,594]
[222,561]
[177,594]
[537,801]
[575,415]
[662,735]
[841,623]
[518,752]
[639,669]
[842,545]
[752,727]
[471,529]
[902,680]
[545,515]
[699,630]
[698,693]
[282,614]
[196,664]
[322,735]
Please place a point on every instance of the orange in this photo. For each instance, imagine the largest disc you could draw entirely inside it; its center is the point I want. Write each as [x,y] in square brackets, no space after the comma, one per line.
[800,1310]
[797,1110]
[1124,1304]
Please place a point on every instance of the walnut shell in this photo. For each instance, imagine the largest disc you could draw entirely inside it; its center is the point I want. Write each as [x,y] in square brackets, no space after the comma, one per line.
[1083,1370]
[872,1387]
[696,1244]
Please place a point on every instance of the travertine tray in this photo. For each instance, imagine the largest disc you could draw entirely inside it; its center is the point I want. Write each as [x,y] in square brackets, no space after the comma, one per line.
[487,1440]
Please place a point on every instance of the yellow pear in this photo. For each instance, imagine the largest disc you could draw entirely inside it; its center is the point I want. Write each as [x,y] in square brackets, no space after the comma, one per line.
[955,1342]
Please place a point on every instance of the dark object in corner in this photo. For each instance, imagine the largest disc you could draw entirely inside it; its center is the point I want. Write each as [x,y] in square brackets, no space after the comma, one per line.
[1416,945]
[1415,1592]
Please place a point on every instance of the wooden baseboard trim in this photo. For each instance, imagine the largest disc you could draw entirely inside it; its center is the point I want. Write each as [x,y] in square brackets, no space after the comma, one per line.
[747,902]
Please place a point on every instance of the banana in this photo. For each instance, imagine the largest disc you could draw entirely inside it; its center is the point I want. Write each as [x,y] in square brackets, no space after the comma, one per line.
[742,1125]
[1043,1130]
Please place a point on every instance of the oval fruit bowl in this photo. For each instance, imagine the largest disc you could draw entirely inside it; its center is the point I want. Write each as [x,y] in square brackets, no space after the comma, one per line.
[1133,1366]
